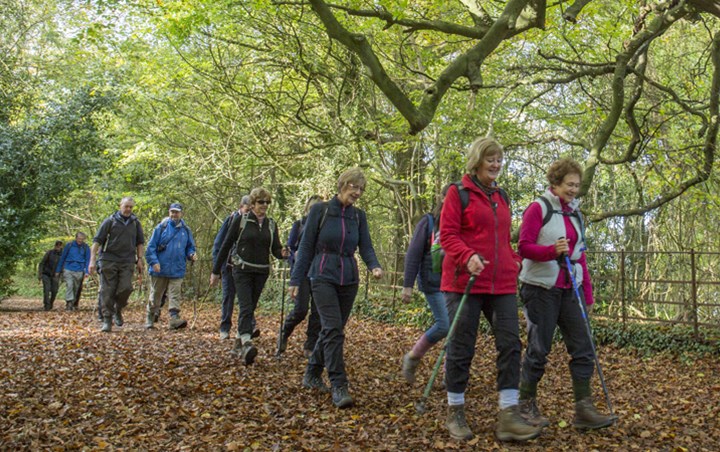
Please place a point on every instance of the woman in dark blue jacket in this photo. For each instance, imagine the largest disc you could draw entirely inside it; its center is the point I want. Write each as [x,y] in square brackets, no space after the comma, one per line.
[333,231]
[418,263]
[303,299]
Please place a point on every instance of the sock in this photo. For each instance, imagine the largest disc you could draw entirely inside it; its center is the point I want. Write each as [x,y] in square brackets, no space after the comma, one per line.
[456,398]
[245,338]
[508,398]
[421,347]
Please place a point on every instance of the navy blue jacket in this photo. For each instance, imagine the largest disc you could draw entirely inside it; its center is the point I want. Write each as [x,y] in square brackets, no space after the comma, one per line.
[418,261]
[293,241]
[220,237]
[329,254]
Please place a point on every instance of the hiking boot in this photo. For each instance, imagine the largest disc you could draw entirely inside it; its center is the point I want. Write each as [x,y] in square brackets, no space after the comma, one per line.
[456,423]
[314,382]
[341,397]
[282,343]
[118,318]
[255,334]
[248,352]
[512,427]
[531,413]
[149,323]
[409,366]
[156,317]
[68,305]
[588,418]
[237,346]
[224,335]
[106,326]
[176,323]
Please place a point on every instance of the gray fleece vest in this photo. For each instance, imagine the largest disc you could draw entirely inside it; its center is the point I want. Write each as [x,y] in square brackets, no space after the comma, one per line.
[545,274]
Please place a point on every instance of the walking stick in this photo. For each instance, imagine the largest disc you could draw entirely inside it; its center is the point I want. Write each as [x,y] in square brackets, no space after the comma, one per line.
[420,404]
[568,264]
[282,310]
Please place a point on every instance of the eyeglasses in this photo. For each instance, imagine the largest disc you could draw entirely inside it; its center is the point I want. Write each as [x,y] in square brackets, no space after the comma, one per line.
[357,188]
[571,185]
[263,201]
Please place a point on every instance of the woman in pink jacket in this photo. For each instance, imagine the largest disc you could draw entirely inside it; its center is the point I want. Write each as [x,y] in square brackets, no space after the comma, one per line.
[475,235]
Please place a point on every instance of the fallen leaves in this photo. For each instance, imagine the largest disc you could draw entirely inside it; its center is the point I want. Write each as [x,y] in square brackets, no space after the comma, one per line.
[64,385]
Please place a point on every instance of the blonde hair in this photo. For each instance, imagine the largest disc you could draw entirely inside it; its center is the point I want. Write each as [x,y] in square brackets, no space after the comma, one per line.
[259,193]
[312,201]
[481,148]
[351,176]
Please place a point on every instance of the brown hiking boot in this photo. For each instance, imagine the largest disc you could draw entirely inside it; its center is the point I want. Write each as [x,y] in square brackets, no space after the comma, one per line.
[456,423]
[176,323]
[531,413]
[409,366]
[512,427]
[588,418]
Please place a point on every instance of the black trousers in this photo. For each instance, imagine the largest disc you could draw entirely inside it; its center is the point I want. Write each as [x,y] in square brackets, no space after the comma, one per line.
[501,312]
[50,290]
[248,287]
[116,286]
[334,304]
[303,303]
[546,309]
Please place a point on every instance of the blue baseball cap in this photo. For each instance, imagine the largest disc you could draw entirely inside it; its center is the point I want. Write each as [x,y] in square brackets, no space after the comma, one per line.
[176,206]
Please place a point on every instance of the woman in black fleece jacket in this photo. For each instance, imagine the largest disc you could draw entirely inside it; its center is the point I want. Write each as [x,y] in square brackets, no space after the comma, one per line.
[333,231]
[251,264]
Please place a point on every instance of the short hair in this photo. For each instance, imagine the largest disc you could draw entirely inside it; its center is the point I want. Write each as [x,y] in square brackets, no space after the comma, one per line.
[58,242]
[478,150]
[245,201]
[259,193]
[312,200]
[561,168]
[439,201]
[127,199]
[351,176]
[80,234]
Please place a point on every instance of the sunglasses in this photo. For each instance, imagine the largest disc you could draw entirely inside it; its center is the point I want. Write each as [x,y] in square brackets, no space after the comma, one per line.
[263,201]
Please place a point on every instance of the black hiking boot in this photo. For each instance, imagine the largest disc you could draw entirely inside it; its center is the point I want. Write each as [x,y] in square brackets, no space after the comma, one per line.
[341,397]
[314,382]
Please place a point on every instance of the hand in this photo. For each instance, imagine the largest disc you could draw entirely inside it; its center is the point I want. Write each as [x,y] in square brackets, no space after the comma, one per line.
[407,294]
[214,279]
[589,309]
[140,266]
[561,246]
[377,272]
[156,268]
[285,253]
[292,291]
[92,267]
[193,257]
[57,275]
[476,264]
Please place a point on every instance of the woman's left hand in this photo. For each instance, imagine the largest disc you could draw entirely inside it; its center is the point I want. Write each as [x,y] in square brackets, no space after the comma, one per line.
[377,272]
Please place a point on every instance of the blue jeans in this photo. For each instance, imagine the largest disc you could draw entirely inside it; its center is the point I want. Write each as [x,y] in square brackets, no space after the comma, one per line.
[228,299]
[440,328]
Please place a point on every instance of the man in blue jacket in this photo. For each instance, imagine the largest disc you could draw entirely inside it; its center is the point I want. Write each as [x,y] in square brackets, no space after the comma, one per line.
[168,251]
[73,265]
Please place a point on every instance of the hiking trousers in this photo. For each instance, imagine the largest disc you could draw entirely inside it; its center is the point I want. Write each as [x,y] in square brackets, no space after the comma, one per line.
[116,283]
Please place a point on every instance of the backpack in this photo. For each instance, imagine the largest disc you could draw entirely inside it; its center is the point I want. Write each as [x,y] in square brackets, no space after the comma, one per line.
[437,253]
[236,259]
[550,211]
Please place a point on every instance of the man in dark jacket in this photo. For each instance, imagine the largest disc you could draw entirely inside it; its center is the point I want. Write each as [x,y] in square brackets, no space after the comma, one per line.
[121,238]
[46,274]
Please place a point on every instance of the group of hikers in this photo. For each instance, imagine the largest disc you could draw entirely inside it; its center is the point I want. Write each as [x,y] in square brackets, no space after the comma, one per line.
[460,254]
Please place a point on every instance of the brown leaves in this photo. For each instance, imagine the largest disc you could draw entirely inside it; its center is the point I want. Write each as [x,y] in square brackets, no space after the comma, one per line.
[64,385]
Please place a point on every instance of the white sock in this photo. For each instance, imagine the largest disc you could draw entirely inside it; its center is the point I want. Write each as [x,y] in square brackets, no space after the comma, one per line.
[456,398]
[245,338]
[508,398]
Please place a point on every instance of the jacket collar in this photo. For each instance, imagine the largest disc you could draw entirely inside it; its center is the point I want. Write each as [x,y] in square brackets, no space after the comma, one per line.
[564,206]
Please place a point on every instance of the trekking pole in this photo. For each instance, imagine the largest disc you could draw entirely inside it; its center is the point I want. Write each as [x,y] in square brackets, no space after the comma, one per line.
[420,404]
[568,264]
[282,309]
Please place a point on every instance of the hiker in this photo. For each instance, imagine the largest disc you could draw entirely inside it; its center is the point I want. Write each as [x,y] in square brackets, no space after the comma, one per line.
[73,265]
[475,235]
[551,229]
[170,247]
[252,236]
[418,264]
[228,285]
[47,275]
[303,301]
[121,238]
[333,231]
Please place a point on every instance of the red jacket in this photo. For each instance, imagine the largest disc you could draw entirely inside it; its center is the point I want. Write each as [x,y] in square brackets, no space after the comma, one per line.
[482,230]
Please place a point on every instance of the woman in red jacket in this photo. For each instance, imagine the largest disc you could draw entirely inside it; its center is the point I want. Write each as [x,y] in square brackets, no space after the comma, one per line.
[475,235]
